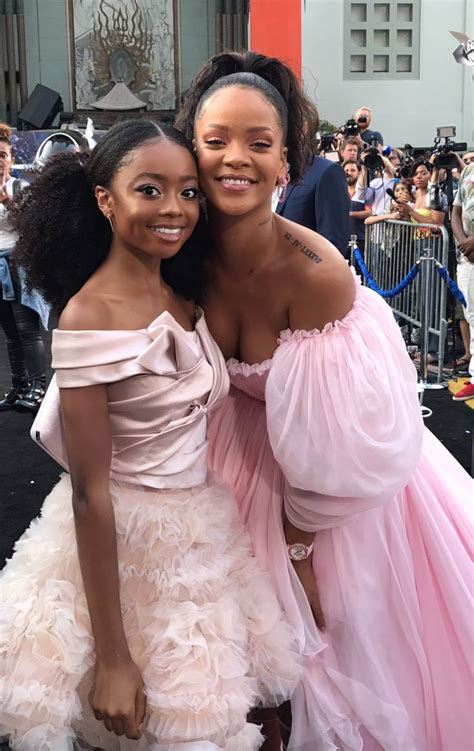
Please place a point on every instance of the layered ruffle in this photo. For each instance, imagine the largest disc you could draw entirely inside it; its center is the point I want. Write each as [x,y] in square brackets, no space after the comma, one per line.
[201,621]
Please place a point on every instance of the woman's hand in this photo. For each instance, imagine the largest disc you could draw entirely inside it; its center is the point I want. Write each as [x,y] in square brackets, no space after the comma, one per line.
[404,197]
[404,211]
[305,572]
[118,699]
[467,248]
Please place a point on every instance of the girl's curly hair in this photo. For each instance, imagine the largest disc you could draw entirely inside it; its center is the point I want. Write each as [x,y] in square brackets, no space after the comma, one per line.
[63,237]
[302,119]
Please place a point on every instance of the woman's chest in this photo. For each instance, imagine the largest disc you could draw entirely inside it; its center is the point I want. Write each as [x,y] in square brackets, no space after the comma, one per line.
[421,200]
[247,327]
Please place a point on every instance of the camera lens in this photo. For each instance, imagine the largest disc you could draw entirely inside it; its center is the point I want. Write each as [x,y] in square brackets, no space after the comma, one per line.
[373,160]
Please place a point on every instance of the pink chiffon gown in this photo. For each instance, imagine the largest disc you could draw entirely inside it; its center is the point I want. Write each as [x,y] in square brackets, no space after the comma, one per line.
[331,429]
[202,621]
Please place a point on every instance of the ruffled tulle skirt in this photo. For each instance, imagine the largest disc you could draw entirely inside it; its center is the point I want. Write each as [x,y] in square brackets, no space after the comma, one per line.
[393,669]
[201,620]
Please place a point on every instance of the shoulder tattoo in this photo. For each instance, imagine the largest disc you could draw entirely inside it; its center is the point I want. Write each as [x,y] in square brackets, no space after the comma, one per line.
[303,248]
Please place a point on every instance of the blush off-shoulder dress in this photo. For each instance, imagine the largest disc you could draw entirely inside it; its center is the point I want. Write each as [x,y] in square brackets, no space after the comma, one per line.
[330,429]
[201,618]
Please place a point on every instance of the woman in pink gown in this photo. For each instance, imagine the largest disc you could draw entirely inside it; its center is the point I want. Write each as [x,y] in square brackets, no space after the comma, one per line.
[322,440]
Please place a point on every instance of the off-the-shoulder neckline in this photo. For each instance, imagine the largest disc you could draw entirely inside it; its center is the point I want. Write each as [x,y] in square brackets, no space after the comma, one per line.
[289,335]
[198,318]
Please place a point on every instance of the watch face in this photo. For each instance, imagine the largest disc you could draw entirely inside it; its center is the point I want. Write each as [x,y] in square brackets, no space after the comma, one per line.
[298,551]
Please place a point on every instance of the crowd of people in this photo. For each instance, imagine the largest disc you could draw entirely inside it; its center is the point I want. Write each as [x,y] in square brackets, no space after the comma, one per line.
[152,606]
[337,203]
[387,184]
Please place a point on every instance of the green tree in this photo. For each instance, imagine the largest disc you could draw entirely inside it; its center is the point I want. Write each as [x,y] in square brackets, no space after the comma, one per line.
[326,127]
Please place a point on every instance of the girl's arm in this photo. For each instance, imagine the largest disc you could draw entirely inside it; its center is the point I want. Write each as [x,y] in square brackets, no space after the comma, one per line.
[381,218]
[117,696]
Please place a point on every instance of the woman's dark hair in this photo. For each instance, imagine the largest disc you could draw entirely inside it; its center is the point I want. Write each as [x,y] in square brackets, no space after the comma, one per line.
[302,122]
[250,81]
[63,237]
[421,162]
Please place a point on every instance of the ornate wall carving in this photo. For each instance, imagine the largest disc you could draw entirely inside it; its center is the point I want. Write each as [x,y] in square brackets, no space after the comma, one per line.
[125,42]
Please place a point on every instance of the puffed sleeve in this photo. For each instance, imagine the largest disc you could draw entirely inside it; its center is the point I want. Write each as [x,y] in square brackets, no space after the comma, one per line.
[343,415]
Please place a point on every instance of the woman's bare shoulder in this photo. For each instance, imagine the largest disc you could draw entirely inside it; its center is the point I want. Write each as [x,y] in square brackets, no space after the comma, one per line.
[321,284]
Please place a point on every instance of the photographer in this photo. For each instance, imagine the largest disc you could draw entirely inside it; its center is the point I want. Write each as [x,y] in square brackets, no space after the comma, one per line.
[328,146]
[363,118]
[349,150]
[375,193]
[396,157]
[375,196]
[462,222]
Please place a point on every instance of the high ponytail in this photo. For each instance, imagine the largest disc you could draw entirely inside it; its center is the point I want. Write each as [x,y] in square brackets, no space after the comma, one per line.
[303,119]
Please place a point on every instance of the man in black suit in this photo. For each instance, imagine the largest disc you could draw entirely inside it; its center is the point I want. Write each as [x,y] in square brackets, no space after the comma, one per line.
[320,202]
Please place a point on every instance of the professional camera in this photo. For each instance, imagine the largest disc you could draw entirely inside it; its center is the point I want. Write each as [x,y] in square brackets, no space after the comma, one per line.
[445,158]
[371,159]
[327,141]
[404,170]
[350,128]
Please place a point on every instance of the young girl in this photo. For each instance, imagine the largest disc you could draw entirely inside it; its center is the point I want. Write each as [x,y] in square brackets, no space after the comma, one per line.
[323,423]
[136,611]
[402,198]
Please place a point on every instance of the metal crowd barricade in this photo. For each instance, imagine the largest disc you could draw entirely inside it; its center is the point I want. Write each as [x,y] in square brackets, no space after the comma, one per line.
[391,250]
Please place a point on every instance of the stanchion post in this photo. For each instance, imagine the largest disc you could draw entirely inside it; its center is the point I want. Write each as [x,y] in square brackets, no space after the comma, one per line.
[424,308]
[427,268]
[353,245]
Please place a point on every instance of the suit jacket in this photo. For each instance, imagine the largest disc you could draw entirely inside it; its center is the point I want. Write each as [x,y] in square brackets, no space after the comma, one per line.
[321,202]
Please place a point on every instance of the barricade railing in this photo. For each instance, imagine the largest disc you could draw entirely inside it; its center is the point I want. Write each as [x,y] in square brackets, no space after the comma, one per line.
[403,262]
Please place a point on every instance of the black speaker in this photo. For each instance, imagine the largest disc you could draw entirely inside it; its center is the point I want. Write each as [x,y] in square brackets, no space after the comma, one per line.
[41,108]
